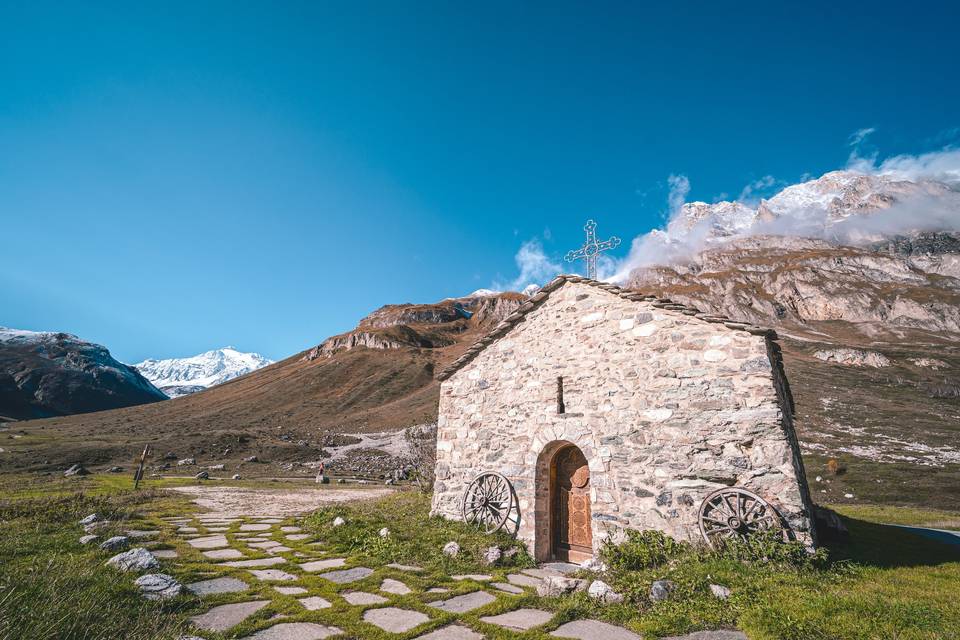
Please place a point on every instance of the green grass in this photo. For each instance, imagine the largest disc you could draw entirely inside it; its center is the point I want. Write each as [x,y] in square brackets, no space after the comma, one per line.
[885,583]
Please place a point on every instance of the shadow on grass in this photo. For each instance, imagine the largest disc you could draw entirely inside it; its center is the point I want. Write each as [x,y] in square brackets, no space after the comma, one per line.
[888,546]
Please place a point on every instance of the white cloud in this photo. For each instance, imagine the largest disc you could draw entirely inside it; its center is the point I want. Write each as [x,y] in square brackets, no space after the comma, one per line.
[942,166]
[756,189]
[679,188]
[535,266]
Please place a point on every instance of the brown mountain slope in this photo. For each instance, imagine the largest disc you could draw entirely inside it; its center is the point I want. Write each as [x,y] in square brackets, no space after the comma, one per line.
[377,377]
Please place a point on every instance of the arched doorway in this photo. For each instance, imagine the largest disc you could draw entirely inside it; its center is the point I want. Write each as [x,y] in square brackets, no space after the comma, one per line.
[570,522]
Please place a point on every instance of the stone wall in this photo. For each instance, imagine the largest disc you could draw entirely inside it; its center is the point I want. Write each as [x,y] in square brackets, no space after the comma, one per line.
[665,407]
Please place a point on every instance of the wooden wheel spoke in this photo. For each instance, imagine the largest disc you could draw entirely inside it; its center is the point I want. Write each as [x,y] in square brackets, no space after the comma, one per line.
[735,512]
[489,502]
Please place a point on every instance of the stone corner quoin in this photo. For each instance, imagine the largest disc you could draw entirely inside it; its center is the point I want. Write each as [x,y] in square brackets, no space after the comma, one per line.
[666,408]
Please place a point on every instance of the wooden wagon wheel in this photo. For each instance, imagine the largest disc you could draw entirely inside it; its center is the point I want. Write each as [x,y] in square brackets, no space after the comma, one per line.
[490,501]
[732,513]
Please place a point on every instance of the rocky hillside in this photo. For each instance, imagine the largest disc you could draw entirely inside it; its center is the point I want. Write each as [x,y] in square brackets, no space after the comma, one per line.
[374,378]
[53,374]
[182,376]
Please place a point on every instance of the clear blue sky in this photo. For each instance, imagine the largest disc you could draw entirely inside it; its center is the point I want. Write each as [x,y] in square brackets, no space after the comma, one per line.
[176,177]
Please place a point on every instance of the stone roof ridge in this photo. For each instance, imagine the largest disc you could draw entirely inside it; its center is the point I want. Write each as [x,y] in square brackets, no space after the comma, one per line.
[537,299]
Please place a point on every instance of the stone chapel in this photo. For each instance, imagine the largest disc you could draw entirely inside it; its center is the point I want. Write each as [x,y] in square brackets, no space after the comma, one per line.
[608,409]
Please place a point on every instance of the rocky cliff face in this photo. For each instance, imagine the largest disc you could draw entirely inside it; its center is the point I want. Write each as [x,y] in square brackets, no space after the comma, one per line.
[46,374]
[799,284]
[424,326]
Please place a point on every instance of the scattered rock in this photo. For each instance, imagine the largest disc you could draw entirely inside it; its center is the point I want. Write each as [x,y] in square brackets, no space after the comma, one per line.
[553,586]
[595,564]
[115,470]
[661,589]
[451,549]
[95,526]
[115,543]
[158,586]
[853,357]
[511,552]
[602,592]
[186,462]
[90,519]
[251,459]
[215,467]
[235,476]
[338,521]
[76,470]
[384,533]
[170,456]
[720,591]
[138,559]
[491,556]
[87,539]
[203,475]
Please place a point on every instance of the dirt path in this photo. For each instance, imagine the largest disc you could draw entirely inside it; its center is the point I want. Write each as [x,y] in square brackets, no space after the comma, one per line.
[235,501]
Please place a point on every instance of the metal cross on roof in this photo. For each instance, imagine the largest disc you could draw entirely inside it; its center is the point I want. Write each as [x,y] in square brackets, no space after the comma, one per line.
[591,249]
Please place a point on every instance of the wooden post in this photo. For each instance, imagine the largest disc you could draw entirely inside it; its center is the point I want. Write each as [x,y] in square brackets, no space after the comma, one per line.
[138,475]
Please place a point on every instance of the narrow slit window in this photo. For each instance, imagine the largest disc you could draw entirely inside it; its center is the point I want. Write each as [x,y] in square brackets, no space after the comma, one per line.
[560,407]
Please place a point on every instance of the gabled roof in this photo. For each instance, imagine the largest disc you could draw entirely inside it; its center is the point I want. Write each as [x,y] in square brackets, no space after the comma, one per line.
[629,294]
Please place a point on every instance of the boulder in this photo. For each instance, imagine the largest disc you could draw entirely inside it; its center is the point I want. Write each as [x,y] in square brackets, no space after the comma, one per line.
[720,591]
[115,543]
[235,476]
[90,519]
[251,459]
[115,470]
[602,592]
[158,586]
[138,559]
[553,586]
[661,589]
[384,533]
[596,565]
[491,556]
[203,475]
[95,526]
[76,470]
[215,467]
[451,549]
[87,539]
[338,521]
[186,462]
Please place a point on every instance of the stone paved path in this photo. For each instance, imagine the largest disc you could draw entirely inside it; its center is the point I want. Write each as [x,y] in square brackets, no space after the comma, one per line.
[263,577]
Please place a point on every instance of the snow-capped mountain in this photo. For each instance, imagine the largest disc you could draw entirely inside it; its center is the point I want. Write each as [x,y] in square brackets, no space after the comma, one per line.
[182,376]
[844,207]
[47,373]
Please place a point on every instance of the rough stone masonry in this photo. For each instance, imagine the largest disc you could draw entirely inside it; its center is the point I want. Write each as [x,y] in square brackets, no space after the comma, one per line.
[666,404]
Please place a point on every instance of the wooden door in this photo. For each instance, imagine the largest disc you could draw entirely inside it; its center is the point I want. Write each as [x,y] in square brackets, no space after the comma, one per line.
[572,534]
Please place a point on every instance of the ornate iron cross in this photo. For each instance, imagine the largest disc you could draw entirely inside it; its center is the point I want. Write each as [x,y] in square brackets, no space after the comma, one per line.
[591,249]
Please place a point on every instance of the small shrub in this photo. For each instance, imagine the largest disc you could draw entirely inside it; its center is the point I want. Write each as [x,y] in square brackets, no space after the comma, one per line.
[770,547]
[642,550]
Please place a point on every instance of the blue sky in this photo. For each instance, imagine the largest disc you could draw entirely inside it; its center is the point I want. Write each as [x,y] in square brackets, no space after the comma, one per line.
[176,177]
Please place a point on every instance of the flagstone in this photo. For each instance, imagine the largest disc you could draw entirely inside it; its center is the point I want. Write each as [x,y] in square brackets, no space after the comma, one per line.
[298,536]
[394,620]
[223,554]
[218,529]
[318,565]
[561,567]
[209,542]
[291,529]
[522,580]
[139,533]
[362,597]
[165,553]
[519,620]
[270,520]
[347,575]
[259,562]
[295,631]
[479,577]
[438,590]
[507,587]
[593,630]
[451,632]
[404,567]
[721,634]
[314,603]
[279,549]
[266,544]
[389,585]
[226,616]
[290,591]
[464,603]
[541,573]
[187,530]
[272,574]
[255,527]
[218,585]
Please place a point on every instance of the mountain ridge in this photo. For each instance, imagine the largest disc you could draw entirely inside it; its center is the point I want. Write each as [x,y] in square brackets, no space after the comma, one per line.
[177,377]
